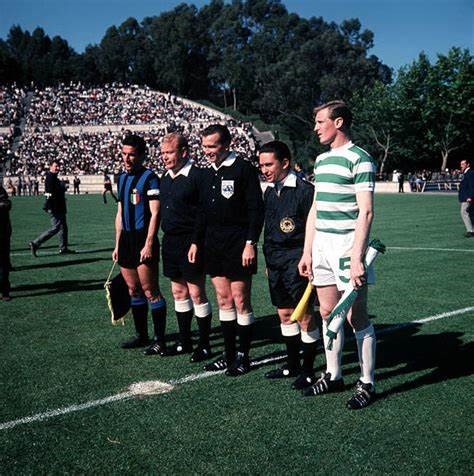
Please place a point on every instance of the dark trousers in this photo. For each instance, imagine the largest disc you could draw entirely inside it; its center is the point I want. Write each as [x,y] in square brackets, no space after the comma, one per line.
[58,225]
[4,269]
[111,193]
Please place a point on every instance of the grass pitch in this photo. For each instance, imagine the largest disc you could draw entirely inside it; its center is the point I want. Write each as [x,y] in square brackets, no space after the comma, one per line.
[59,350]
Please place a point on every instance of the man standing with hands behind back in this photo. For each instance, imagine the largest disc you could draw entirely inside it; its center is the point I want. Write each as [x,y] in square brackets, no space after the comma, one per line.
[231,215]
[466,197]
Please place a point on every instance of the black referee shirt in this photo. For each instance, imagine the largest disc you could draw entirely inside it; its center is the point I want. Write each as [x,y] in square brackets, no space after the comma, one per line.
[286,213]
[231,197]
[179,200]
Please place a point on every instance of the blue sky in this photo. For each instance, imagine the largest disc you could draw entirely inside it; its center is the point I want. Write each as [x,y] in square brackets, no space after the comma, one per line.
[402,28]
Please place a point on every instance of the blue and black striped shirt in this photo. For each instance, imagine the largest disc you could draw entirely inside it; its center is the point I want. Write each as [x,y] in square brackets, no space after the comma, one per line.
[135,192]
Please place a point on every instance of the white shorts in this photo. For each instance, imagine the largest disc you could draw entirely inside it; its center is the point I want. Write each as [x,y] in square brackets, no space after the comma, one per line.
[331,257]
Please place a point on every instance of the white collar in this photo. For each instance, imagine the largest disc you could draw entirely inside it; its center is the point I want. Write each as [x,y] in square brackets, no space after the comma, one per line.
[227,162]
[345,146]
[290,180]
[182,171]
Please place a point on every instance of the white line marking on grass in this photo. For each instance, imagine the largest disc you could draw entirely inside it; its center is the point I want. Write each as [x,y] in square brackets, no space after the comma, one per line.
[63,411]
[155,387]
[396,327]
[151,387]
[407,248]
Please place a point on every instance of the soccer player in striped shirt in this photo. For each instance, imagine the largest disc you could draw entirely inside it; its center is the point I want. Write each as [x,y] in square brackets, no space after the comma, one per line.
[136,244]
[337,234]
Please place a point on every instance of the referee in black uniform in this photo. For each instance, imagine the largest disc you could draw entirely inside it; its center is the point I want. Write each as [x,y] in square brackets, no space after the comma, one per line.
[136,244]
[232,215]
[288,200]
[179,194]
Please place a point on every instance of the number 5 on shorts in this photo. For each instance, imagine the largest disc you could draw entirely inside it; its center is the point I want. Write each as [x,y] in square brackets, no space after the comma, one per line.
[344,263]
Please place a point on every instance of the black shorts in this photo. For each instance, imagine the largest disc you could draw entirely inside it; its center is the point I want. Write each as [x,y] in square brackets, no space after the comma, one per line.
[130,245]
[174,251]
[107,187]
[285,283]
[223,250]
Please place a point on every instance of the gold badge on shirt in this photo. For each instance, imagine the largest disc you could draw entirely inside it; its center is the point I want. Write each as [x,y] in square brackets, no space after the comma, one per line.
[287,225]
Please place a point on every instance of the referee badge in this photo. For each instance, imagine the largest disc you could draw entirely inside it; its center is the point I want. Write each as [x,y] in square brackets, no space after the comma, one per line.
[227,188]
[287,225]
[135,197]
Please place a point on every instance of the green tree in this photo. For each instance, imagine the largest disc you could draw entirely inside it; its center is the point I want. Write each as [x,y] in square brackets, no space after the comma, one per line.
[377,123]
[412,92]
[10,70]
[449,110]
[178,50]
[437,105]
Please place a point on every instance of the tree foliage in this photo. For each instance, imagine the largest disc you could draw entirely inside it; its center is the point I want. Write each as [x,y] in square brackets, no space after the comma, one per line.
[425,116]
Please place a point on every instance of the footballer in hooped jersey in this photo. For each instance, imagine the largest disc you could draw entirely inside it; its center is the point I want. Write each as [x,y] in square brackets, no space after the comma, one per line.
[337,235]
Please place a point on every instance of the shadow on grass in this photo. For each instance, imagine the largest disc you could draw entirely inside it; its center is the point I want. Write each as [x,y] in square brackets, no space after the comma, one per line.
[58,287]
[266,332]
[401,352]
[59,264]
[95,250]
[48,246]
[53,250]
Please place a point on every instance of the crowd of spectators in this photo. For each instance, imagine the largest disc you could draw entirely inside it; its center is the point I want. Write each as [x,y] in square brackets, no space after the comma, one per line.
[6,141]
[93,153]
[447,180]
[22,185]
[84,151]
[114,104]
[11,98]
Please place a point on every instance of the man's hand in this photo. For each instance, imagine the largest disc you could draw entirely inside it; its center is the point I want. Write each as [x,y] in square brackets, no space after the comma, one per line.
[145,253]
[115,254]
[248,255]
[305,266]
[358,274]
[192,253]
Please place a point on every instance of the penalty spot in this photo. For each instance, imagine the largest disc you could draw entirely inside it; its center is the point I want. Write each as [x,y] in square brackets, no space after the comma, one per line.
[150,387]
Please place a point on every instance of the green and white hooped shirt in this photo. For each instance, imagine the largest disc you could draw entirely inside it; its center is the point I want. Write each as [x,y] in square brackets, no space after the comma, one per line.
[338,175]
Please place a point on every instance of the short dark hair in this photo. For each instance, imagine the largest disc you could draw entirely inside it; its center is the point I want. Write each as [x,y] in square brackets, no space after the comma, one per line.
[224,135]
[136,142]
[278,148]
[55,161]
[337,109]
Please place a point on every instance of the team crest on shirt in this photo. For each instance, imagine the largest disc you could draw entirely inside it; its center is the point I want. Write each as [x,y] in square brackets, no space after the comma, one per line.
[135,197]
[227,188]
[287,225]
